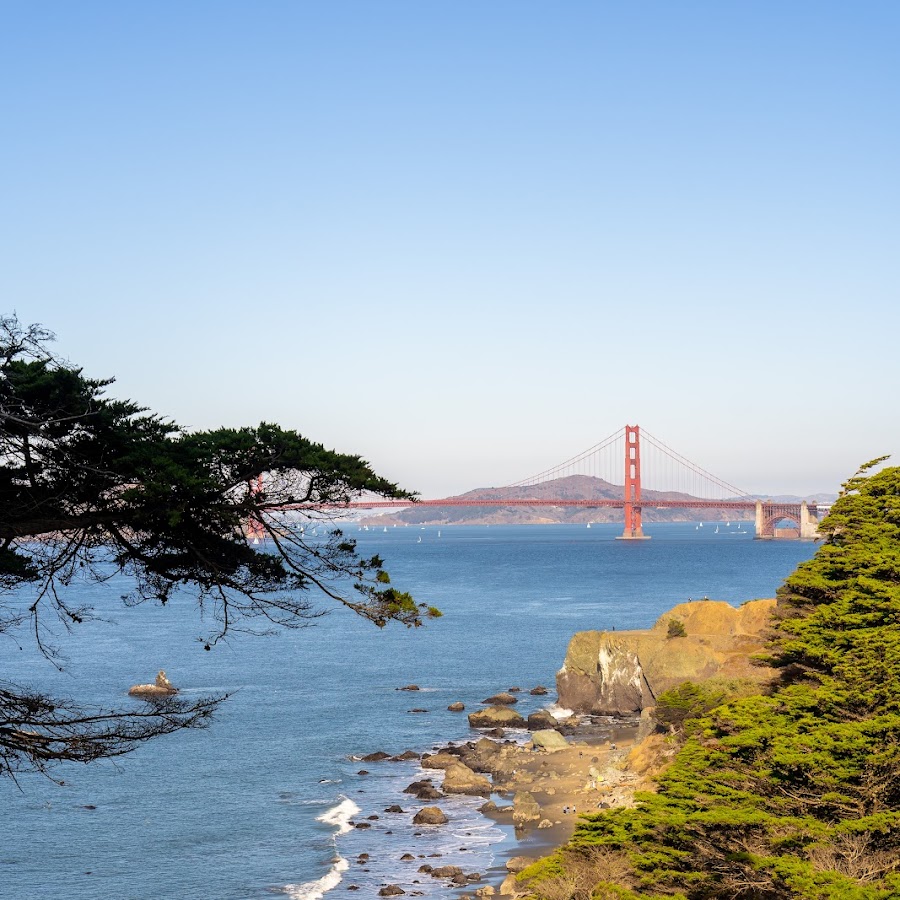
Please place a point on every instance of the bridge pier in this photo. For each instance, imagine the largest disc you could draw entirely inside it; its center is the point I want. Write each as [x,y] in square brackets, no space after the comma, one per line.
[634,530]
[768,515]
[809,523]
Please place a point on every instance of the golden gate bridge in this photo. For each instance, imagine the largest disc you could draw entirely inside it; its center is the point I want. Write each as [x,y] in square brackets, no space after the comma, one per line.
[644,463]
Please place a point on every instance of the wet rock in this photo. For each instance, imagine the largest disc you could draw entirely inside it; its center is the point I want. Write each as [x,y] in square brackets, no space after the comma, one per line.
[501,699]
[439,760]
[362,825]
[430,815]
[417,786]
[446,872]
[460,779]
[391,890]
[514,690]
[496,716]
[417,710]
[162,687]
[429,793]
[406,755]
[409,687]
[406,857]
[456,707]
[363,772]
[378,756]
[541,719]
[425,868]
[394,809]
[538,691]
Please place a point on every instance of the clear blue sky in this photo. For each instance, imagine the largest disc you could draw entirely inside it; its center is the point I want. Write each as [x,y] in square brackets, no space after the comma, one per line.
[467,239]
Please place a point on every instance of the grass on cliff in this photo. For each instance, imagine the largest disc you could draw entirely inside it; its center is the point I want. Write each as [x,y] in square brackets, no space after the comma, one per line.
[794,793]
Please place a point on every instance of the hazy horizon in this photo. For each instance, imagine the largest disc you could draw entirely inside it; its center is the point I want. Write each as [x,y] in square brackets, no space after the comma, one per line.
[469,241]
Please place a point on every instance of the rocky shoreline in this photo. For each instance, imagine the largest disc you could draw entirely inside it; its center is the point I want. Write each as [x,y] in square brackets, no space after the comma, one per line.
[537,773]
[534,786]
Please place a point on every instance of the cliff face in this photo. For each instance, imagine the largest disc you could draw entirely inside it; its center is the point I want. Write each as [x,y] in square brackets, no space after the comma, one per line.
[621,672]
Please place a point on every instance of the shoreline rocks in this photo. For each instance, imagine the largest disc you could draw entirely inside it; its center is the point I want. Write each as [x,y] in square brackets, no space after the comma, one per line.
[496,717]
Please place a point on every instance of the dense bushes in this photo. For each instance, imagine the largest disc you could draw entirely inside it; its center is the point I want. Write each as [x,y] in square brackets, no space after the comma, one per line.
[794,793]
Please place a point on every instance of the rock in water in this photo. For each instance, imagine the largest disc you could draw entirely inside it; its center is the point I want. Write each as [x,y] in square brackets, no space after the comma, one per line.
[456,707]
[496,717]
[616,673]
[430,815]
[541,719]
[460,779]
[504,698]
[162,687]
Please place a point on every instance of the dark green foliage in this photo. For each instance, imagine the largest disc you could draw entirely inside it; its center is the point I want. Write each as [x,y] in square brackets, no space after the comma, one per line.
[91,486]
[796,792]
[684,704]
[675,629]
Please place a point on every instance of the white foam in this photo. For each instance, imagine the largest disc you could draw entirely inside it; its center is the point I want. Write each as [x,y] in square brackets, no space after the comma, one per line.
[340,816]
[315,890]
[559,712]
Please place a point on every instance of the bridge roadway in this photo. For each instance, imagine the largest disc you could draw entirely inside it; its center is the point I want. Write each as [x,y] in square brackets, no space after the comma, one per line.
[740,505]
[766,515]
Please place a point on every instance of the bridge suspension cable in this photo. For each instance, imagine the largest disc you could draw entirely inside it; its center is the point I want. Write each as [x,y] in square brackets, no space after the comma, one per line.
[703,483]
[587,462]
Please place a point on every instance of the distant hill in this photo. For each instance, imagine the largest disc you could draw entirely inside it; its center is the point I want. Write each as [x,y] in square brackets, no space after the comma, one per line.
[573,487]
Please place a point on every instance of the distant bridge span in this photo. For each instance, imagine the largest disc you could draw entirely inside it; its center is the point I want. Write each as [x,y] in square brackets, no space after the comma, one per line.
[682,476]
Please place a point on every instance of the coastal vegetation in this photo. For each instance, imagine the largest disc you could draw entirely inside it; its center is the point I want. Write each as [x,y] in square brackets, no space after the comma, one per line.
[92,488]
[787,792]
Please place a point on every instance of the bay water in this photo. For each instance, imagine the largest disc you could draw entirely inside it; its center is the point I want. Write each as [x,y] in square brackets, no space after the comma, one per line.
[259,805]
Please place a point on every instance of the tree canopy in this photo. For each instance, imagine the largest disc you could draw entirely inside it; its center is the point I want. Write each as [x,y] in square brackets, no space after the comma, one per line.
[92,487]
[794,792]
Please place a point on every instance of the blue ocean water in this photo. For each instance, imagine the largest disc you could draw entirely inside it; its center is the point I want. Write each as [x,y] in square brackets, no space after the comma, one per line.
[257,805]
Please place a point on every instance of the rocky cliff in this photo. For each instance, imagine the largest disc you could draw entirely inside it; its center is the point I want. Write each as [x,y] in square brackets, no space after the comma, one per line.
[622,672]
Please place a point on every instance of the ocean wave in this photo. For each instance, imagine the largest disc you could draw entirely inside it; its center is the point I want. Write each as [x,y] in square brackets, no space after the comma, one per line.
[340,816]
[559,712]
[315,890]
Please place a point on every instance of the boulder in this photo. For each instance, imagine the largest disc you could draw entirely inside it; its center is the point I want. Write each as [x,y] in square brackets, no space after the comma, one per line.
[525,809]
[430,815]
[496,717]
[456,707]
[409,687]
[538,691]
[439,760]
[391,890]
[542,719]
[429,793]
[162,687]
[504,698]
[460,779]
[405,756]
[549,740]
[622,672]
[446,872]
[378,756]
